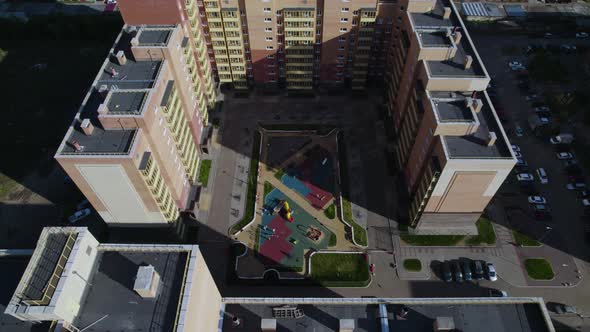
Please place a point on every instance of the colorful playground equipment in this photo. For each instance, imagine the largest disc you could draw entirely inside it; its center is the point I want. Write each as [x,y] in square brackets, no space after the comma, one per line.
[314,233]
[287,211]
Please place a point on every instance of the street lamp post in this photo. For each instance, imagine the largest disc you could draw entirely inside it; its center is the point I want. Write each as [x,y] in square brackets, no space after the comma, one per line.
[548,230]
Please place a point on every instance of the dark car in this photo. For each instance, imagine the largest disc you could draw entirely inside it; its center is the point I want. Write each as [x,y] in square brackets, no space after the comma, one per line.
[478,270]
[457,273]
[497,293]
[466,271]
[445,271]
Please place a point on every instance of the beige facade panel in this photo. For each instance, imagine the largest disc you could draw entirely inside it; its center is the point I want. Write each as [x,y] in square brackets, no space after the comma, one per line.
[464,193]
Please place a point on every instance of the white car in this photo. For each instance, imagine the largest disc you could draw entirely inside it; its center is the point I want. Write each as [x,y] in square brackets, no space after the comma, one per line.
[581,35]
[515,148]
[586,202]
[525,177]
[542,174]
[517,154]
[537,200]
[515,65]
[548,35]
[565,156]
[521,162]
[79,215]
[491,272]
[530,98]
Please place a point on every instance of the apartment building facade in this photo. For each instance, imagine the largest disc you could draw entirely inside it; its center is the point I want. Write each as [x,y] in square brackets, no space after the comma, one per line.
[450,145]
[133,148]
[297,44]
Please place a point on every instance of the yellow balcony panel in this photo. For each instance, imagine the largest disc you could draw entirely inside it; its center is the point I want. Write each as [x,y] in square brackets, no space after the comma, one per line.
[367,19]
[367,29]
[366,37]
[231,19]
[299,71]
[214,19]
[300,38]
[218,47]
[215,38]
[212,9]
[362,56]
[299,87]
[299,79]
[299,56]
[220,29]
[235,47]
[299,47]
[310,28]
[363,47]
[300,19]
[225,80]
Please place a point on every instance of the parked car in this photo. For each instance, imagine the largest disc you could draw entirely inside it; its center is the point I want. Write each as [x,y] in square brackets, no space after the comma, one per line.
[583,194]
[458,274]
[576,186]
[564,309]
[521,162]
[517,154]
[530,97]
[516,66]
[541,208]
[564,155]
[515,148]
[445,271]
[561,139]
[571,162]
[537,200]
[548,35]
[542,175]
[586,202]
[525,177]
[79,215]
[492,292]
[478,270]
[581,35]
[519,131]
[467,275]
[491,272]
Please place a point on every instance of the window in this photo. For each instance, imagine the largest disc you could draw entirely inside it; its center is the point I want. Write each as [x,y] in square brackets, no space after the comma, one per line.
[343,20]
[343,29]
[344,10]
[267,19]
[267,10]
[267,29]
[268,38]
[341,48]
[319,12]
[269,48]
[270,56]
[340,57]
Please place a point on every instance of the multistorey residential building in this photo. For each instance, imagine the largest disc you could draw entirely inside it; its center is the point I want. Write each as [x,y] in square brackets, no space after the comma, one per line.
[298,44]
[133,148]
[80,284]
[450,144]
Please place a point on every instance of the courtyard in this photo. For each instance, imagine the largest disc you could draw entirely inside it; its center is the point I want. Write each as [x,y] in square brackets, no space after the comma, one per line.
[296,189]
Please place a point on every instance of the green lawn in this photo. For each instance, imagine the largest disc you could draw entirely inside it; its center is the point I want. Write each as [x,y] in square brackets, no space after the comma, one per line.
[485,231]
[432,240]
[538,269]
[279,174]
[333,240]
[523,240]
[252,179]
[268,187]
[413,265]
[7,185]
[330,211]
[47,65]
[344,270]
[204,171]
[359,233]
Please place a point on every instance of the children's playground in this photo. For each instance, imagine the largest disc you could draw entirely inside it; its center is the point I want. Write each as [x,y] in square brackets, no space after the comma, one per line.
[296,183]
[286,231]
[312,176]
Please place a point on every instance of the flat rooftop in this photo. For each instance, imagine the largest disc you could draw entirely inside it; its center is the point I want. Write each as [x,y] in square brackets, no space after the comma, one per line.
[101,141]
[451,109]
[454,67]
[475,146]
[434,38]
[501,317]
[126,102]
[131,75]
[154,37]
[112,292]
